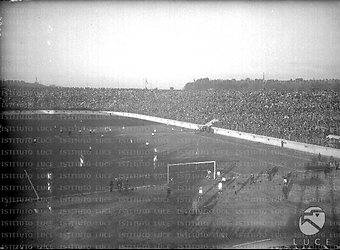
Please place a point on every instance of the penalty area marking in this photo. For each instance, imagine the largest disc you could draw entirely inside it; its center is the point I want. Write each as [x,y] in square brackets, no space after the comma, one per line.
[253,242]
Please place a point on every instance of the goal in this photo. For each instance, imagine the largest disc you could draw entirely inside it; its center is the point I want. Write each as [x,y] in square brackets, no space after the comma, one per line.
[190,171]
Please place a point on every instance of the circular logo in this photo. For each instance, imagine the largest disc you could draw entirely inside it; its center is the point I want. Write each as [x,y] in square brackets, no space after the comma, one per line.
[312,220]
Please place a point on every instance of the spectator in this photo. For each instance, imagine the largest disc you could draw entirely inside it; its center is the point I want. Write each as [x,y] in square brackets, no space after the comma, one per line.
[299,115]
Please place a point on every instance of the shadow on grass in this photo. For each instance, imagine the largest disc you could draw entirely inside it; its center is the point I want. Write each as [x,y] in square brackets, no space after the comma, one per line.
[230,169]
[313,181]
[212,198]
[258,175]
[317,166]
[272,172]
[243,184]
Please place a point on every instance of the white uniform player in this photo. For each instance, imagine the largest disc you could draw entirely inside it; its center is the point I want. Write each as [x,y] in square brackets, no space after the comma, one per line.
[218,174]
[81,160]
[200,191]
[155,158]
[220,187]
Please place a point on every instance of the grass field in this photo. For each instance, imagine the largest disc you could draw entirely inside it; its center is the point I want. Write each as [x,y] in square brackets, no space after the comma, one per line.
[85,214]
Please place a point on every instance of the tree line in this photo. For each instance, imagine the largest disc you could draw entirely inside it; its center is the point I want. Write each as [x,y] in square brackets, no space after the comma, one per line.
[260,84]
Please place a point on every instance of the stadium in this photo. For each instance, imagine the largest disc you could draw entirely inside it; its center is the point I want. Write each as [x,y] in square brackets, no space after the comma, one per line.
[170,125]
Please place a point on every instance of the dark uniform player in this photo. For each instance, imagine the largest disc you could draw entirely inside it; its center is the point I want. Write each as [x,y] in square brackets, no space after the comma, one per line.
[252,179]
[168,189]
[126,185]
[285,191]
[119,184]
[111,185]
[289,175]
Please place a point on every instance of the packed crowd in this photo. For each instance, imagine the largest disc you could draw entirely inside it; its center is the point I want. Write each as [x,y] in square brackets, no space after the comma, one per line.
[304,116]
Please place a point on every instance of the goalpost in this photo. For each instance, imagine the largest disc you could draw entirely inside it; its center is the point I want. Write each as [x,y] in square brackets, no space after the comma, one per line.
[191,167]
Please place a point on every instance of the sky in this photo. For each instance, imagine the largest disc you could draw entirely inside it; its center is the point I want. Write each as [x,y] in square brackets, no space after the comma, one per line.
[169,43]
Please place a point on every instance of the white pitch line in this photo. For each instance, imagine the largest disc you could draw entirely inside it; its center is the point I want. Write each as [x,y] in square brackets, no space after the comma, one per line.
[253,242]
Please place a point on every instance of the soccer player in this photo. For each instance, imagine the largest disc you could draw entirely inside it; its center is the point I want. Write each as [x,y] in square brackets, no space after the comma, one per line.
[194,207]
[208,174]
[269,175]
[119,184]
[252,180]
[49,205]
[155,158]
[200,191]
[81,160]
[111,185]
[218,174]
[35,140]
[220,187]
[235,186]
[168,190]
[147,144]
[285,180]
[285,191]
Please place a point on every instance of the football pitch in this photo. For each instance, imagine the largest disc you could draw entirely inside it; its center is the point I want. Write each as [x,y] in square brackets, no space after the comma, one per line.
[82,209]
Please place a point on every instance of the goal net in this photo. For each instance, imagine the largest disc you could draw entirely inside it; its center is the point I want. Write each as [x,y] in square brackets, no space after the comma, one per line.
[190,172]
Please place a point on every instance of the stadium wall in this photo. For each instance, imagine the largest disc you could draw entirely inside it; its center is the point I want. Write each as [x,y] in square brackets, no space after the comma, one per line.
[304,147]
